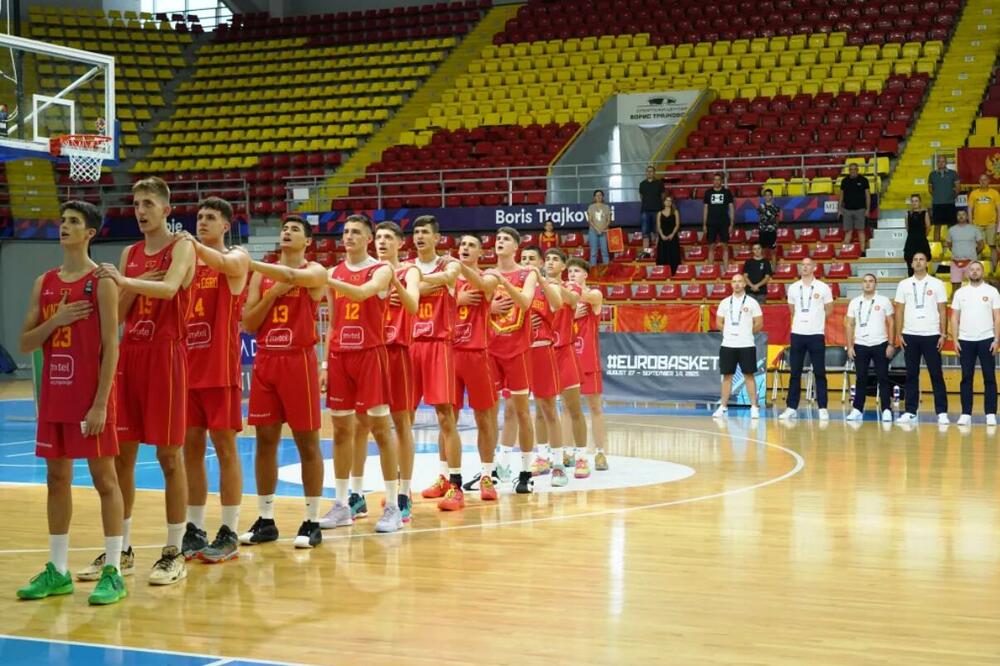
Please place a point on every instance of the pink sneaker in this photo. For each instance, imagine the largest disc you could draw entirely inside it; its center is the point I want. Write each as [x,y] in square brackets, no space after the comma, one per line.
[540,467]
[582,470]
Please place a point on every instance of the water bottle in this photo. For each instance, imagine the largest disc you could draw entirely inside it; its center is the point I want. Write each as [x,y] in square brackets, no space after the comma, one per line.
[895,395]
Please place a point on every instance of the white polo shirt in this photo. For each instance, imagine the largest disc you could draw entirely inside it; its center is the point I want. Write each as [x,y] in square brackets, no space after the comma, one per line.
[810,307]
[869,316]
[739,313]
[920,299]
[976,305]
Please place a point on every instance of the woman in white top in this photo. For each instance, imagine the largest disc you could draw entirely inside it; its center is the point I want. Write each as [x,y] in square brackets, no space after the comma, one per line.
[975,327]
[870,338]
[739,316]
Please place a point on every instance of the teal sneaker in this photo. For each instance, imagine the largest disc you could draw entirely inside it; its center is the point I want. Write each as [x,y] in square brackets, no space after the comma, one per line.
[48,583]
[359,505]
[503,473]
[405,507]
[110,589]
[559,477]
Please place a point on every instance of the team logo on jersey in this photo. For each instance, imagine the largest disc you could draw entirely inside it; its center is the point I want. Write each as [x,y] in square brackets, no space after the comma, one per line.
[142,330]
[423,328]
[61,369]
[352,336]
[816,296]
[877,308]
[930,292]
[278,338]
[199,334]
[985,299]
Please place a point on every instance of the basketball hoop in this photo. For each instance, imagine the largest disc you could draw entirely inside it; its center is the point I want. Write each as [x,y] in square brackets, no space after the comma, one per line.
[86,153]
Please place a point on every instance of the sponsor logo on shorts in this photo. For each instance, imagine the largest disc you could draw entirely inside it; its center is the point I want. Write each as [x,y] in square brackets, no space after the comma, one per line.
[199,334]
[423,328]
[278,338]
[463,332]
[142,330]
[390,332]
[61,369]
[260,415]
[352,336]
[578,345]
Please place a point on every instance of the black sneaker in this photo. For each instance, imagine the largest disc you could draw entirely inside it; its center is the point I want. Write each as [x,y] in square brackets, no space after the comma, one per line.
[473,483]
[262,531]
[222,549]
[194,541]
[525,484]
[309,535]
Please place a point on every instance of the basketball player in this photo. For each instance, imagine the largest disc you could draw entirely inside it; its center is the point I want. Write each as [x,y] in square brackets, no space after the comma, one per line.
[152,368]
[73,317]
[472,363]
[975,326]
[432,355]
[511,341]
[566,360]
[587,344]
[215,386]
[357,379]
[281,307]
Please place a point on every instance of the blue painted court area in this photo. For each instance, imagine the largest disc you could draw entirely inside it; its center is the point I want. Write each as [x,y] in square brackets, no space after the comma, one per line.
[15,651]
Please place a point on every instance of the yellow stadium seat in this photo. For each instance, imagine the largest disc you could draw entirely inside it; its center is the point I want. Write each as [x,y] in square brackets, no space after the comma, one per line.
[703,49]
[817,72]
[986,126]
[853,84]
[936,250]
[738,78]
[796,187]
[821,186]
[729,93]
[791,89]
[777,185]
[980,141]
[788,59]
[768,61]
[810,87]
[721,48]
[759,76]
[840,72]
[797,42]
[817,40]
[933,49]
[778,75]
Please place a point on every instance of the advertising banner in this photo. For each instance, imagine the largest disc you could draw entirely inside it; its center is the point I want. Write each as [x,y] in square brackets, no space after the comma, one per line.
[658,318]
[974,162]
[656,108]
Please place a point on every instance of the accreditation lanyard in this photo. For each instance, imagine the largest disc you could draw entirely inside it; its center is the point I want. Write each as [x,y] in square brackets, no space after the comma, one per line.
[808,300]
[732,318]
[863,323]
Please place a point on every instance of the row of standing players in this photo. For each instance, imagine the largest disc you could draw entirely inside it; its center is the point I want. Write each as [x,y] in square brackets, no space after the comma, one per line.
[433,331]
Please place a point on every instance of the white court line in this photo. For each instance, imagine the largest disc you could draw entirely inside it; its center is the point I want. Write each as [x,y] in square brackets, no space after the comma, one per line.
[23,441]
[219,662]
[107,646]
[19,455]
[800,463]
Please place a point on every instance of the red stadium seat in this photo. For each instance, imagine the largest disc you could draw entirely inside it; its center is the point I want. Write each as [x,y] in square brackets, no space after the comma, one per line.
[616,292]
[822,251]
[741,252]
[669,292]
[626,256]
[838,270]
[708,272]
[849,251]
[733,270]
[694,292]
[820,271]
[635,239]
[643,292]
[657,272]
[785,272]
[786,235]
[696,254]
[832,234]
[808,235]
[795,251]
[688,237]
[775,292]
[571,240]
[717,292]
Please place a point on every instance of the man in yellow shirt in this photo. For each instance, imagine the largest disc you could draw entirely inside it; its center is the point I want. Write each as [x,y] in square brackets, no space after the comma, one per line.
[984,209]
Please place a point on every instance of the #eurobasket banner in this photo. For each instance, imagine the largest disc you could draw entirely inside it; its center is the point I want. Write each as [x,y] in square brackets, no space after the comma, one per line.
[672,367]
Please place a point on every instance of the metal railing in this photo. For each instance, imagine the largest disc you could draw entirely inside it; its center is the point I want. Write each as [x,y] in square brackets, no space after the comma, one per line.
[235,191]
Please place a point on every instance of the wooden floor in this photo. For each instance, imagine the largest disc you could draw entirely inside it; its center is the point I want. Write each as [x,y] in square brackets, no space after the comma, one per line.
[803,544]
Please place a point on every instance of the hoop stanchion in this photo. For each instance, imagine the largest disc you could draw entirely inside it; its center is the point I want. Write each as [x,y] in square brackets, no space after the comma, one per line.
[86,153]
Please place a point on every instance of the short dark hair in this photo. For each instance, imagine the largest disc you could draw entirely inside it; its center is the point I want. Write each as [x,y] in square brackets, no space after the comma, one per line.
[153,185]
[298,219]
[512,232]
[219,205]
[767,190]
[359,218]
[92,217]
[915,194]
[479,241]
[871,275]
[579,263]
[718,175]
[533,248]
[396,230]
[921,253]
[556,251]
[596,192]
[427,221]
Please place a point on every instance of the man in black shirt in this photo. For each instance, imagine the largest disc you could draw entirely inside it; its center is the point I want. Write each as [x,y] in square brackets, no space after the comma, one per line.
[855,202]
[718,218]
[757,272]
[651,195]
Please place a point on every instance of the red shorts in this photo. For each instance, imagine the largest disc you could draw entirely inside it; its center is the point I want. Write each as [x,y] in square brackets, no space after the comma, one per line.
[569,368]
[400,379]
[152,393]
[64,440]
[284,388]
[511,373]
[544,379]
[357,380]
[592,383]
[215,408]
[474,374]
[433,372]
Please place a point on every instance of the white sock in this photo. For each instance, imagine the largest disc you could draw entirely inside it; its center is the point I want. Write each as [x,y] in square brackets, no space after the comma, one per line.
[126,534]
[231,516]
[343,492]
[444,468]
[113,552]
[391,491]
[59,552]
[358,485]
[600,449]
[525,462]
[505,452]
[404,486]
[175,534]
[196,515]
[557,457]
[265,506]
[312,508]
[488,469]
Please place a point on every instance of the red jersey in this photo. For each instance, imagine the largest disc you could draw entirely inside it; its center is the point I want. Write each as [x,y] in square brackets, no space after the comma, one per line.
[72,353]
[357,325]
[154,319]
[213,331]
[542,319]
[563,320]
[472,325]
[587,344]
[547,240]
[435,318]
[398,322]
[511,333]
[290,324]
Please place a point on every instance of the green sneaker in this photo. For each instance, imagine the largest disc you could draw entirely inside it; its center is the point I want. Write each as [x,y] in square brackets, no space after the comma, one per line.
[49,583]
[359,505]
[110,589]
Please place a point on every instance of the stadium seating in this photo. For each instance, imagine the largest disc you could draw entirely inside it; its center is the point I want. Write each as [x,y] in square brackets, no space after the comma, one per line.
[985,133]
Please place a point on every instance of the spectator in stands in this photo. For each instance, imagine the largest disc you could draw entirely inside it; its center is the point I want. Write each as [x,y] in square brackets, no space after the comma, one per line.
[855,202]
[718,218]
[918,223]
[921,329]
[984,202]
[668,227]
[739,318]
[599,219]
[942,183]
[966,243]
[975,328]
[651,197]
[811,302]
[768,216]
[548,238]
[870,337]
[758,272]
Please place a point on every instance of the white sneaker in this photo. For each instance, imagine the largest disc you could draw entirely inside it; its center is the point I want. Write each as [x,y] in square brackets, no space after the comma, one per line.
[391,520]
[338,516]
[963,420]
[855,415]
[944,420]
[788,414]
[824,414]
[886,416]
[991,419]
[906,417]
[720,413]
[755,412]
[169,569]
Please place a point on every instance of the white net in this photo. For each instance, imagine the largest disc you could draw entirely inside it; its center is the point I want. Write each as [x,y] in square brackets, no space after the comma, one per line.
[86,154]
